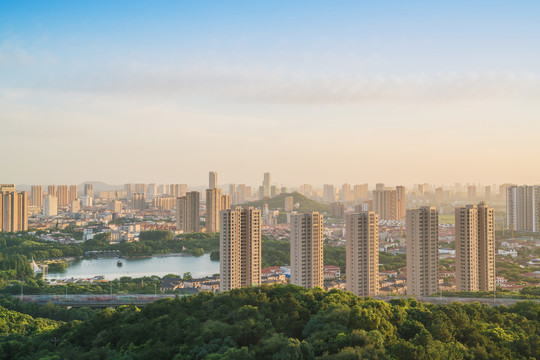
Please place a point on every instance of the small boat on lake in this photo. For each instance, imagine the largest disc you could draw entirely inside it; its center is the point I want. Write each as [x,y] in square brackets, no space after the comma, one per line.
[119,263]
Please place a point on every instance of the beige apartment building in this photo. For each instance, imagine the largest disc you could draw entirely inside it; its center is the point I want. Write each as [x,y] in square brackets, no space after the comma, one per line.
[138,201]
[213,207]
[37,196]
[523,208]
[362,238]
[51,190]
[178,190]
[212,180]
[13,209]
[307,250]
[240,248]
[422,226]
[62,193]
[475,248]
[401,198]
[187,213]
[385,204]
[289,203]
[73,193]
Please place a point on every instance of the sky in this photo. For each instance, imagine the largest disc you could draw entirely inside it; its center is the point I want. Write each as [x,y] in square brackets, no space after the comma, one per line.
[400,92]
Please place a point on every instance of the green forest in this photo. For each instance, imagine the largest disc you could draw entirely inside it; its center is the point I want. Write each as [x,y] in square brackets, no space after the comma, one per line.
[272,322]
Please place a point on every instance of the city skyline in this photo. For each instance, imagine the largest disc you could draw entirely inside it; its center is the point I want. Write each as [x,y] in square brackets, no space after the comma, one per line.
[372,83]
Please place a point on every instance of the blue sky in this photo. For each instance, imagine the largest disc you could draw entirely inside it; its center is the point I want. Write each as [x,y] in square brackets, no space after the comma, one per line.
[199,82]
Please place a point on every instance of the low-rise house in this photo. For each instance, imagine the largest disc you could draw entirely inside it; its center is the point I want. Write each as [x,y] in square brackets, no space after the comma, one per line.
[210,286]
[170,284]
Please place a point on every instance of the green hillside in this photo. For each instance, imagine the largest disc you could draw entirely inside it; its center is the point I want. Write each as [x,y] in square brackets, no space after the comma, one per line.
[278,203]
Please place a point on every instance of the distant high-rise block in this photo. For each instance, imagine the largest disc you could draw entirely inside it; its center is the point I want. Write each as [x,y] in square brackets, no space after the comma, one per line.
[212,180]
[75,206]
[138,201]
[62,192]
[422,251]
[329,194]
[178,190]
[129,189]
[523,208]
[51,190]
[307,250]
[360,193]
[379,186]
[401,202]
[72,194]
[37,196]
[362,255]
[306,190]
[289,203]
[89,190]
[385,204]
[115,206]
[337,210]
[346,193]
[471,193]
[225,202]
[240,248]
[140,188]
[266,184]
[475,248]
[439,194]
[213,207]
[13,209]
[50,206]
[187,213]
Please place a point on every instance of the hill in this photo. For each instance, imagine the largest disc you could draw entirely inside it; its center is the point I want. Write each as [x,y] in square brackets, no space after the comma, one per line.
[282,322]
[278,203]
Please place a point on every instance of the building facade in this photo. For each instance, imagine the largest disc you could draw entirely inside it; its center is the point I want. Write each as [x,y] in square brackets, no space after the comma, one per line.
[307,256]
[362,239]
[187,213]
[422,228]
[475,248]
[240,248]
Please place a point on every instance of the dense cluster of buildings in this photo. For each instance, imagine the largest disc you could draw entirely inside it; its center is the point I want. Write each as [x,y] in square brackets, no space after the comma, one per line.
[363,221]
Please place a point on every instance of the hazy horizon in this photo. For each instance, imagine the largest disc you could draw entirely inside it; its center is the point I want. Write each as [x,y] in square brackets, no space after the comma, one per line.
[313,92]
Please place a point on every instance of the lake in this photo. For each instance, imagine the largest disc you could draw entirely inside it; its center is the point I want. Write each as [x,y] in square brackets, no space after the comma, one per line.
[138,267]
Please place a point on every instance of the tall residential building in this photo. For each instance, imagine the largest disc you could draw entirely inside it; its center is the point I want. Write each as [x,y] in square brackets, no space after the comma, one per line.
[62,192]
[140,188]
[240,248]
[72,193]
[346,194]
[178,190]
[422,251]
[266,184]
[50,206]
[360,193]
[232,193]
[523,208]
[439,194]
[187,213]
[51,190]
[471,193]
[385,204]
[401,202]
[289,203]
[138,201]
[37,196]
[225,202]
[89,190]
[213,207]
[212,180]
[475,248]
[307,250]
[379,186]
[328,193]
[13,209]
[306,190]
[362,238]
[129,189]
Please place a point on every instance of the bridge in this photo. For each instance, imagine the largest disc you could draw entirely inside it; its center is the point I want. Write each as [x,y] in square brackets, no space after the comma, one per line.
[105,300]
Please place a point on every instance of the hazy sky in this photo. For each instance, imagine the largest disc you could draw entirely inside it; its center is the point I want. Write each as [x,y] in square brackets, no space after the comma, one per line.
[312,91]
